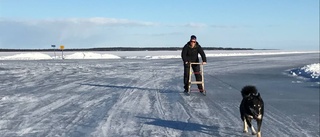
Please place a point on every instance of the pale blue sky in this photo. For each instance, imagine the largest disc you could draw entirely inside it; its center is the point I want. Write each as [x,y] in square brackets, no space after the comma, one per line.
[271,24]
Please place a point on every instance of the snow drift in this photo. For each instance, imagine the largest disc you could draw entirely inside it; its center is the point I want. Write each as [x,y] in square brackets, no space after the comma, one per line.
[42,56]
[311,72]
[27,56]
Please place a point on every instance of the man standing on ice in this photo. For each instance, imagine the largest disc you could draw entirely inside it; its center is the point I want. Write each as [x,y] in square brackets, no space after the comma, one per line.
[189,55]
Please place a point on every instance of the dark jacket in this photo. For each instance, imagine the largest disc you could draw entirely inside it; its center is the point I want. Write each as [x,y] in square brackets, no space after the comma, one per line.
[189,54]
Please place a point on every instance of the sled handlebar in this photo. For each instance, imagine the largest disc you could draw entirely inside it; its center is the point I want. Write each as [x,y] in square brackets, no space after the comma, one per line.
[195,63]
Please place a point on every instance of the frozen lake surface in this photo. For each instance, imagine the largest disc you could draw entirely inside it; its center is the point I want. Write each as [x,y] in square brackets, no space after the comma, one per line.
[143,97]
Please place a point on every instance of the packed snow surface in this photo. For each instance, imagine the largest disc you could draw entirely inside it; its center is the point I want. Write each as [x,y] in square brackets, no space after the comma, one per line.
[144,97]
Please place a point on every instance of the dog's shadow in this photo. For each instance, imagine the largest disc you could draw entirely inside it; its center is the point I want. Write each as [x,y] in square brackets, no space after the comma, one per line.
[187,126]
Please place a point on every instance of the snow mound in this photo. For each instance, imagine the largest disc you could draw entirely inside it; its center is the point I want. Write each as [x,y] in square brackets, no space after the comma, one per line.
[27,56]
[154,57]
[256,54]
[311,71]
[166,57]
[90,55]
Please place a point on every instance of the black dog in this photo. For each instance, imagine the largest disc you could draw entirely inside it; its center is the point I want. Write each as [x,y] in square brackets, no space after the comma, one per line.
[251,107]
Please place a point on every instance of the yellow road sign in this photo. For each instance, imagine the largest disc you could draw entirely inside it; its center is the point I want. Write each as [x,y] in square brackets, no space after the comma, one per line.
[62,47]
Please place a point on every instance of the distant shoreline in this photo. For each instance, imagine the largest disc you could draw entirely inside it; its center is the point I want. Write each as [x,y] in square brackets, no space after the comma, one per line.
[122,49]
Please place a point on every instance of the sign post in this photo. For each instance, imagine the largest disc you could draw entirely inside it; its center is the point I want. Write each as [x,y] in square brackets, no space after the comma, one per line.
[54,50]
[62,48]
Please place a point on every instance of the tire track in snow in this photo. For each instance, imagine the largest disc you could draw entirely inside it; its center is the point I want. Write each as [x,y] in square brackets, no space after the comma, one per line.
[122,108]
[286,126]
[41,115]
[147,94]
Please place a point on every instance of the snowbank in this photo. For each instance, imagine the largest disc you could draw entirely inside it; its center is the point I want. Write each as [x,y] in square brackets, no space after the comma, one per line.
[27,56]
[255,54]
[90,55]
[230,54]
[311,71]
[140,55]
[154,57]
[41,56]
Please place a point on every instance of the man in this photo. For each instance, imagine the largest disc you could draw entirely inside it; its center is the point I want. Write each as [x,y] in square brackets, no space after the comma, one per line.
[189,55]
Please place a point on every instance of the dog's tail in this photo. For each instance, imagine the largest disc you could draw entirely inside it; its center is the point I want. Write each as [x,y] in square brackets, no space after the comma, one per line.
[247,90]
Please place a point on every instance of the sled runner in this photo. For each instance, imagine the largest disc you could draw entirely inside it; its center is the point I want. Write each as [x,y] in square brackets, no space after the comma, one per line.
[203,91]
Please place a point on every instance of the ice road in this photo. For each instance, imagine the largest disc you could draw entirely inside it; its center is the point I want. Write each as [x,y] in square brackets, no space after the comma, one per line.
[140,97]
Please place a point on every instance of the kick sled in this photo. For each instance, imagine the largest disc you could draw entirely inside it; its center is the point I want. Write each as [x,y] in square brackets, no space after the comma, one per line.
[190,82]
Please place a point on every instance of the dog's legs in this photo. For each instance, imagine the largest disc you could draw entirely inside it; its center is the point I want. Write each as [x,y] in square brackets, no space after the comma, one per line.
[245,125]
[250,125]
[259,134]
[259,122]
[253,131]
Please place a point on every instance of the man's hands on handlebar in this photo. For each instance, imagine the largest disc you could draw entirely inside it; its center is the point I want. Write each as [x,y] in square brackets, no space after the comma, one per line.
[203,63]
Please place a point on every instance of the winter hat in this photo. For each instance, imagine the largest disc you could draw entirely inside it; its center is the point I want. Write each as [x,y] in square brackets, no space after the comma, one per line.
[193,37]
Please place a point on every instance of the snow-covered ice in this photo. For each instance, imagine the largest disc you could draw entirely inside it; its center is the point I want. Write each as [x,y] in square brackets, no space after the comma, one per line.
[143,96]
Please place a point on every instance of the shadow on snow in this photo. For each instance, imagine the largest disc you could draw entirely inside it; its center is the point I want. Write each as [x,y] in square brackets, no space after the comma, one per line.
[134,88]
[187,126]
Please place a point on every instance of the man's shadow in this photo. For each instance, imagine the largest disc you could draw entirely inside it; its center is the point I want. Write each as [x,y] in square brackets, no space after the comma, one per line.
[131,87]
[183,126]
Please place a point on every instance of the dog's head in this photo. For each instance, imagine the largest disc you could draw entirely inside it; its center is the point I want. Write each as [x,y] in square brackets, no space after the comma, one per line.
[255,105]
